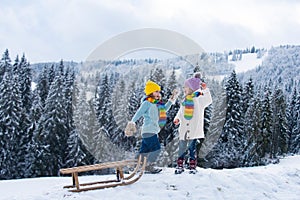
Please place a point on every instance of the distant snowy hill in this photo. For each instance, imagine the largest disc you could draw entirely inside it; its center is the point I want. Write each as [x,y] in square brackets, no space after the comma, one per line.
[279,181]
[280,67]
[249,61]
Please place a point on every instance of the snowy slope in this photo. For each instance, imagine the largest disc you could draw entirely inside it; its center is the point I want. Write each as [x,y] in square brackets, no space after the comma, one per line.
[249,61]
[281,181]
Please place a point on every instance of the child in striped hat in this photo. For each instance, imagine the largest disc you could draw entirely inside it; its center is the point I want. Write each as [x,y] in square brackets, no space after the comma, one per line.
[153,110]
[191,119]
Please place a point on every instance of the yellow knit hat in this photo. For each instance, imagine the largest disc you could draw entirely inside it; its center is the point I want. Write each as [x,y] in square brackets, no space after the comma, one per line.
[151,87]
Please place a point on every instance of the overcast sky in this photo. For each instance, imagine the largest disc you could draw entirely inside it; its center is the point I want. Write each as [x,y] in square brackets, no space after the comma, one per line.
[71,29]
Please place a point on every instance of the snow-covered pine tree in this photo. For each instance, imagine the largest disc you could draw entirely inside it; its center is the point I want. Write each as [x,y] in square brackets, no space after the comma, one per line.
[101,101]
[279,142]
[158,76]
[266,121]
[133,100]
[251,112]
[197,68]
[23,79]
[76,156]
[119,107]
[295,121]
[69,91]
[84,133]
[94,139]
[253,151]
[35,149]
[228,151]
[39,158]
[51,133]
[121,115]
[35,115]
[51,73]
[15,66]
[10,131]
[5,64]
[218,106]
[248,95]
[33,164]
[103,107]
[291,117]
[37,109]
[60,69]
[77,123]
[81,117]
[133,103]
[77,153]
[110,124]
[17,143]
[112,148]
[43,85]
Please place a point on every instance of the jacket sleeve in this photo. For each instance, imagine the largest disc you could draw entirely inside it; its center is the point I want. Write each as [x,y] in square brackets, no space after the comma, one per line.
[168,105]
[139,113]
[205,99]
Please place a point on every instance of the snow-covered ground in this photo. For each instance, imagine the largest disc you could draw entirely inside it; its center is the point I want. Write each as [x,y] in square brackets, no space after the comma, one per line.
[249,61]
[280,181]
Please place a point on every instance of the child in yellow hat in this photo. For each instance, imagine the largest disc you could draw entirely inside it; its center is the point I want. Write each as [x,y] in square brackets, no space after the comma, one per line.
[153,110]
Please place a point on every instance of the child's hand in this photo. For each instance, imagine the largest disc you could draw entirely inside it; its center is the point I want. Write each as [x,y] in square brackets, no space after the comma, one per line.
[130,129]
[203,86]
[176,121]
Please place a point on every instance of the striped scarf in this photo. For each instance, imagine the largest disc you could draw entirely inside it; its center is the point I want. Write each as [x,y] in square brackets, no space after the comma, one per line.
[188,104]
[161,110]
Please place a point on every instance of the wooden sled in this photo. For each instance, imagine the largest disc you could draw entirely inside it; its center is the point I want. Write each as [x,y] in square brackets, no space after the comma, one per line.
[120,180]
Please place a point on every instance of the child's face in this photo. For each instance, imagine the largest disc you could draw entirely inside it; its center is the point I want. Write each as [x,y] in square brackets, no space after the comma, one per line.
[156,95]
[187,90]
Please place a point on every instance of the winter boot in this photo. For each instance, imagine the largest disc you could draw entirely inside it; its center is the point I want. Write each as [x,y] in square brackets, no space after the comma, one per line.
[193,164]
[150,169]
[179,169]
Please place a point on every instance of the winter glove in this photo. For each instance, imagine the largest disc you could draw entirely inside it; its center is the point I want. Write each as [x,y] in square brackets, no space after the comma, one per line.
[203,86]
[176,121]
[174,96]
[130,129]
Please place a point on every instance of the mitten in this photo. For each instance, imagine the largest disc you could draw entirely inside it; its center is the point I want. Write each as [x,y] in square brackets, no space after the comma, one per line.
[176,121]
[203,86]
[130,129]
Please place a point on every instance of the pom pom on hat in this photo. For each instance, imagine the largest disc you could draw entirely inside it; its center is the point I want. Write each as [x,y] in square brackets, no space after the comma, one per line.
[193,83]
[151,87]
[198,75]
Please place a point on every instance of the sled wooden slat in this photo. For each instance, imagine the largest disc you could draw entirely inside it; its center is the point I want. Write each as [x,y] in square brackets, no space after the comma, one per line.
[121,183]
[120,180]
[87,168]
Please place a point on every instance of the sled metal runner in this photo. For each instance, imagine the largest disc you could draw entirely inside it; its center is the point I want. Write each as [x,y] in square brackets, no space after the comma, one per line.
[121,179]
